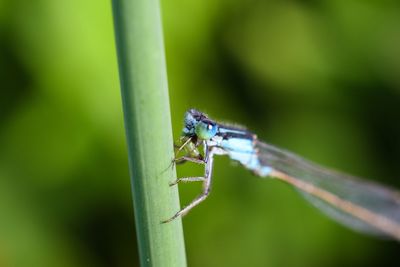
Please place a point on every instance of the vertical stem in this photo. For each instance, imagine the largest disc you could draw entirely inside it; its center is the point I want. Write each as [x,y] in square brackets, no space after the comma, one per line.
[145,100]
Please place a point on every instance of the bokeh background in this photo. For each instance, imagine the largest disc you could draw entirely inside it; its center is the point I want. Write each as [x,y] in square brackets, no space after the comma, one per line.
[321,78]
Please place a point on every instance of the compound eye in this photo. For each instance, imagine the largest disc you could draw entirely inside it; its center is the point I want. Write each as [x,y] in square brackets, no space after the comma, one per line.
[205,130]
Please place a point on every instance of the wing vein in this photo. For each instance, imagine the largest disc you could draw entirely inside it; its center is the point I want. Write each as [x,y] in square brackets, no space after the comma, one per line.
[383,223]
[357,203]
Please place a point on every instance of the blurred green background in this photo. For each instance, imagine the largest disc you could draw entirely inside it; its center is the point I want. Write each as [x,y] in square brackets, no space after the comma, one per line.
[321,78]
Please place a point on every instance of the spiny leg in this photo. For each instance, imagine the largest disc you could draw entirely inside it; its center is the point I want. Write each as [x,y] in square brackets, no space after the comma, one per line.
[175,161]
[183,159]
[190,156]
[179,148]
[188,180]
[206,189]
[194,203]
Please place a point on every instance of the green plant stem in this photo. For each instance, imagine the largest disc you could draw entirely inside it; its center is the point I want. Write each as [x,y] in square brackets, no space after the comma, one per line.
[145,100]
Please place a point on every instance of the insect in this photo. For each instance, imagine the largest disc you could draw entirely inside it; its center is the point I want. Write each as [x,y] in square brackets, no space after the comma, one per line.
[357,203]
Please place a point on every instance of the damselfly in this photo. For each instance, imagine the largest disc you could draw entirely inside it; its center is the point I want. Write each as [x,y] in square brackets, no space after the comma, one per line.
[359,204]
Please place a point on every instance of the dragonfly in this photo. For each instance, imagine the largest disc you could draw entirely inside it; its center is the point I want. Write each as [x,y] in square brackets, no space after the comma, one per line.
[359,204]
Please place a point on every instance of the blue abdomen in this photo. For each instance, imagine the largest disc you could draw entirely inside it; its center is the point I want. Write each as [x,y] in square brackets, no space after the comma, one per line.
[243,151]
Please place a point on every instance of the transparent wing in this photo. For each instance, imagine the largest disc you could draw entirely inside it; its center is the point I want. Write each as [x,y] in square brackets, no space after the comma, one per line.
[359,204]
